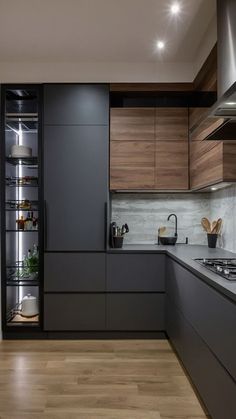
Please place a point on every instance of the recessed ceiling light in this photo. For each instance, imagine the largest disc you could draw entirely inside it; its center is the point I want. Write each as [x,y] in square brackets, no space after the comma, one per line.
[230,103]
[213,188]
[160,44]
[175,8]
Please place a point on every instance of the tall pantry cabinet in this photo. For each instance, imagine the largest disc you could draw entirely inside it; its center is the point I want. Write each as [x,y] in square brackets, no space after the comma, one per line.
[75,149]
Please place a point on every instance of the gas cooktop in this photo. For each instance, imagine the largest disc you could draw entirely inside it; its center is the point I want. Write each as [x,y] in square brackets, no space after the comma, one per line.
[226,268]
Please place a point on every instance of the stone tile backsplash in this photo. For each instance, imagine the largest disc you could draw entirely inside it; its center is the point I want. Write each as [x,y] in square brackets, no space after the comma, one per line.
[144,213]
[223,204]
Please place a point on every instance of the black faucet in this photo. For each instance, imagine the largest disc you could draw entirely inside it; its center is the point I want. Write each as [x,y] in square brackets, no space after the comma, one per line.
[176,222]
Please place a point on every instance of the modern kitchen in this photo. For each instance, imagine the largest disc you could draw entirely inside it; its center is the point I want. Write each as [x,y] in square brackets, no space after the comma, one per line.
[118,209]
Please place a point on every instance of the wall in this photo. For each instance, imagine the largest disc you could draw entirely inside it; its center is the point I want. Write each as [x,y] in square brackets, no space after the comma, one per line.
[223,204]
[144,213]
[71,72]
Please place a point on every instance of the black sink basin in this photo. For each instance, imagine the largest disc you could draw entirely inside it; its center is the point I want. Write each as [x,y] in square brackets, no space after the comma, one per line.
[169,241]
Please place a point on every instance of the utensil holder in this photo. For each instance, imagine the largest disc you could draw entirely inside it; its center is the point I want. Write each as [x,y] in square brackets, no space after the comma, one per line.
[212,239]
[117,242]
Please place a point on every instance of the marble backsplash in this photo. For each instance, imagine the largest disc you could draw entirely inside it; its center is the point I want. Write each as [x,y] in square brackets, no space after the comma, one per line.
[223,204]
[144,213]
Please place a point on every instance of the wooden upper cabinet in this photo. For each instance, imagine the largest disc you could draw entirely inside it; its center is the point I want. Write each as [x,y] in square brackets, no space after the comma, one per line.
[212,162]
[171,149]
[171,124]
[132,124]
[206,163]
[149,148]
[172,165]
[132,148]
[132,164]
[201,125]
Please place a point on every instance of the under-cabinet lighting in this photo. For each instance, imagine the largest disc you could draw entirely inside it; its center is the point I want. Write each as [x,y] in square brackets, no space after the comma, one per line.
[230,103]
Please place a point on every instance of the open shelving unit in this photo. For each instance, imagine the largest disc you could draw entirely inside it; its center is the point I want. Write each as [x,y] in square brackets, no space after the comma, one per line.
[21,216]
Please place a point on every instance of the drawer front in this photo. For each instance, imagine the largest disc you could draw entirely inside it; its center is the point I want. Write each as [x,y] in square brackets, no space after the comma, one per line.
[74,312]
[74,272]
[216,387]
[133,272]
[212,315]
[76,104]
[135,312]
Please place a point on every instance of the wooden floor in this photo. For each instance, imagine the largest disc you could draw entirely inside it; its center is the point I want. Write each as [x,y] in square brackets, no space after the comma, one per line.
[94,379]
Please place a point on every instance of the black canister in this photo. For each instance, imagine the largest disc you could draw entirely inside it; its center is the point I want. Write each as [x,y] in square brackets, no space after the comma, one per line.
[118,242]
[212,239]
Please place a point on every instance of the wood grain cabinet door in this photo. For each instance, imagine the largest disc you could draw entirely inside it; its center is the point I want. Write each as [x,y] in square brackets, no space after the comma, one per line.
[171,124]
[206,163]
[132,148]
[132,164]
[172,165]
[132,124]
[171,149]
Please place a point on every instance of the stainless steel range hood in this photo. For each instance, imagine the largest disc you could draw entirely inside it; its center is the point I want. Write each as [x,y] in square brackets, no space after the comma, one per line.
[226,73]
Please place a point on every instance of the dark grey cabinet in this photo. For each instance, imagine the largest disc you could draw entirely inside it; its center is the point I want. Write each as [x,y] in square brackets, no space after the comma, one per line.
[135,272]
[74,312]
[74,272]
[216,387]
[75,187]
[200,323]
[135,312]
[212,315]
[76,104]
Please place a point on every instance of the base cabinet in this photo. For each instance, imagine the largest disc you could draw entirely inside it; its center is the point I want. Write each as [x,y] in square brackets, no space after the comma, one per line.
[136,312]
[200,324]
[216,387]
[74,272]
[74,312]
[135,273]
[136,292]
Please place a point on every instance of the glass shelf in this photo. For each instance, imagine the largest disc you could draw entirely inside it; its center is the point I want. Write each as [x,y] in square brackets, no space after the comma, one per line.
[22,182]
[23,161]
[22,282]
[21,231]
[21,205]
[14,317]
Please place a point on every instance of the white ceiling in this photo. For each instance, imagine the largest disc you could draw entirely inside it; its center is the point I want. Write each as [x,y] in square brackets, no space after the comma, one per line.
[101,30]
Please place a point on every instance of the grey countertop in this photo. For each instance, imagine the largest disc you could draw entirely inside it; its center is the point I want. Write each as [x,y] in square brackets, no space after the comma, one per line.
[185,255]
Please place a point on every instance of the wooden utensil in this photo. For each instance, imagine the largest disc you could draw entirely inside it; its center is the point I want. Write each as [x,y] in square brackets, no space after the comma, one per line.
[206,224]
[220,222]
[213,224]
[161,231]
[217,226]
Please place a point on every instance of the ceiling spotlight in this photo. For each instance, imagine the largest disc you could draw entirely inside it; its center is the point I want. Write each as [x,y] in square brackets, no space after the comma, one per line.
[213,188]
[175,8]
[160,45]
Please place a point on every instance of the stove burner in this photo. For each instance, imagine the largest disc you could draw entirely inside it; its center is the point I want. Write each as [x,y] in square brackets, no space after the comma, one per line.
[226,268]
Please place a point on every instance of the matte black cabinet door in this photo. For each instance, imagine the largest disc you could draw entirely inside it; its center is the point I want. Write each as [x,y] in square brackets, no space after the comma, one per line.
[212,315]
[63,312]
[75,187]
[136,312]
[76,104]
[74,272]
[135,272]
[214,384]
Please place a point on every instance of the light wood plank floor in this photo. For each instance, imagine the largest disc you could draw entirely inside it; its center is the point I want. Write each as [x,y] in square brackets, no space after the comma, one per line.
[94,379]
